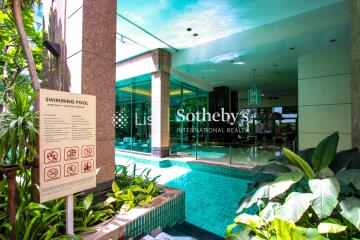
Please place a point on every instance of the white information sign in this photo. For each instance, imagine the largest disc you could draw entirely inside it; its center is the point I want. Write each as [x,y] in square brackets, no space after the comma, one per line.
[67,151]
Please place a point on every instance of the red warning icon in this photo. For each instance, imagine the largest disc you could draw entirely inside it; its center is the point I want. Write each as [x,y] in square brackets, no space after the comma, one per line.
[87,151]
[71,153]
[87,166]
[71,169]
[52,155]
[52,173]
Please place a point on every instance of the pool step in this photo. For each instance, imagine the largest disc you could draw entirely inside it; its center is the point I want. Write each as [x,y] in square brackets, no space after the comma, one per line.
[165,236]
[187,229]
[183,231]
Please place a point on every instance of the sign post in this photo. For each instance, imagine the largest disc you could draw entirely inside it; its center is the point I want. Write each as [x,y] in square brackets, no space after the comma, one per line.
[70,214]
[67,149]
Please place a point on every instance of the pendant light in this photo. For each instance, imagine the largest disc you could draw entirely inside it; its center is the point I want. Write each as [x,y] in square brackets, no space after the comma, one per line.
[253,93]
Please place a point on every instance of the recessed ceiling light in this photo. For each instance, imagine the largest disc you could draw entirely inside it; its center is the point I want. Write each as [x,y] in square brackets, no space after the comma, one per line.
[195,34]
[292,48]
[240,63]
[189,29]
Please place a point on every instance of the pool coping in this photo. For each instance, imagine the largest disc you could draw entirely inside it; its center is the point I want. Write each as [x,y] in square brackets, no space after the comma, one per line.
[119,226]
[186,160]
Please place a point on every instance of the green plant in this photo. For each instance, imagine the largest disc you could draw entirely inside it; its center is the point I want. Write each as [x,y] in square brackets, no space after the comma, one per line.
[46,221]
[309,197]
[18,132]
[87,214]
[130,190]
[256,228]
[13,60]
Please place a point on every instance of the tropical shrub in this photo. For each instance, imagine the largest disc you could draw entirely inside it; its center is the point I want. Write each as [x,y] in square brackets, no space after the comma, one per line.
[46,221]
[306,203]
[129,190]
[18,129]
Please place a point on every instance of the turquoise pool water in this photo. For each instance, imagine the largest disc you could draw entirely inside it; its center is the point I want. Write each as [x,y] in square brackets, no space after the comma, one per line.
[212,193]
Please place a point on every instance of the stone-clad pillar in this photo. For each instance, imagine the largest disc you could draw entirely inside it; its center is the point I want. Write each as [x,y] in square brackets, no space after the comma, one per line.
[160,104]
[355,69]
[86,29]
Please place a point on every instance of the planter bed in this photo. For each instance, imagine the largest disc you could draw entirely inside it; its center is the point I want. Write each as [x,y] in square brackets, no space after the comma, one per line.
[165,210]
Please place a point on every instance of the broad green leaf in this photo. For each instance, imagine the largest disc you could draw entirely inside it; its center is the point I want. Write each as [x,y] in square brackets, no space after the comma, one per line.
[350,210]
[283,229]
[325,227]
[268,213]
[281,184]
[348,176]
[326,192]
[262,192]
[300,163]
[130,195]
[88,201]
[297,235]
[241,235]
[325,152]
[295,206]
[150,188]
[313,234]
[253,221]
[115,187]
[109,200]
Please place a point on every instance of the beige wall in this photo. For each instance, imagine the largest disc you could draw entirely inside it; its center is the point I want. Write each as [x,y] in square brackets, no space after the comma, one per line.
[324,96]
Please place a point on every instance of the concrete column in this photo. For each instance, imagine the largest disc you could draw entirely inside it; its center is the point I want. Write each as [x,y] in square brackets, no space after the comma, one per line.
[324,94]
[355,69]
[87,31]
[160,105]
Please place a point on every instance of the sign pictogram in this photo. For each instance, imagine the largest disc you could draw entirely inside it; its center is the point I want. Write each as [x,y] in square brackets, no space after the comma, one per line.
[52,173]
[71,169]
[71,153]
[87,166]
[52,155]
[87,151]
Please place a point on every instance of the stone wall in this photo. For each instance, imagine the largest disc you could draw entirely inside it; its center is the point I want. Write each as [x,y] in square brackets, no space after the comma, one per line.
[355,69]
[86,30]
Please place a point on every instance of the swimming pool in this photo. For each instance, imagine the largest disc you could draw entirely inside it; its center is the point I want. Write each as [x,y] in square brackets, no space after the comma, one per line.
[212,193]
[235,155]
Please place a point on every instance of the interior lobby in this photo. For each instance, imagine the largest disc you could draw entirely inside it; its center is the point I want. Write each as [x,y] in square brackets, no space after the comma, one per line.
[294,58]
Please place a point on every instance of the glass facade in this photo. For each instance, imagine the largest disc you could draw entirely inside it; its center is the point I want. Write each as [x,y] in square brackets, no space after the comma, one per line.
[133,113]
[183,134]
[257,135]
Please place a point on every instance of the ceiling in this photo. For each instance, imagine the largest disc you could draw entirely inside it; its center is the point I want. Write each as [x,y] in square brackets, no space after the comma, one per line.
[259,33]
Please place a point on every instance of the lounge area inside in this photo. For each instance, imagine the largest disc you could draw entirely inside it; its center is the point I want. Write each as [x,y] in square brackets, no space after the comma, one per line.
[270,73]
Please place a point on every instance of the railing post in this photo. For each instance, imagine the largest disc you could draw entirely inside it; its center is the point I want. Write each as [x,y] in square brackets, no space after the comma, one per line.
[230,153]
